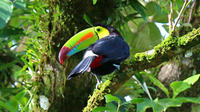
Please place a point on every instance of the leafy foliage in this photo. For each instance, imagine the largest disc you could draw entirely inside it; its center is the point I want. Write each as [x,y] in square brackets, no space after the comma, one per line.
[24,49]
[19,60]
[157,83]
[87,19]
[6,9]
[157,105]
[94,2]
[179,86]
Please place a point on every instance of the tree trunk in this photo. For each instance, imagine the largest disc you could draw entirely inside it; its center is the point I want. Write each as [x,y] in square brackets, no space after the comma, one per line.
[64,19]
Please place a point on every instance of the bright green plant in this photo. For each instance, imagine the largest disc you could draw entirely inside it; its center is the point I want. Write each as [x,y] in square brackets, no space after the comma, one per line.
[18,66]
[113,103]
[6,10]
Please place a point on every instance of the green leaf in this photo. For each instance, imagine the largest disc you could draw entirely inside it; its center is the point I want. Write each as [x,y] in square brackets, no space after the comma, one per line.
[178,87]
[11,32]
[111,98]
[162,18]
[11,104]
[157,83]
[87,19]
[112,107]
[147,38]
[138,77]
[161,105]
[153,8]
[141,107]
[178,4]
[191,80]
[139,8]
[20,4]
[164,104]
[5,92]
[137,100]
[125,103]
[108,22]
[94,2]
[6,9]
[7,106]
[100,109]
[20,95]
[17,99]
[188,99]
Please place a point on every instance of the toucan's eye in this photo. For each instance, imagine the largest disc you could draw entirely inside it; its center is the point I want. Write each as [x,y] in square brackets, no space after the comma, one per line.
[98,29]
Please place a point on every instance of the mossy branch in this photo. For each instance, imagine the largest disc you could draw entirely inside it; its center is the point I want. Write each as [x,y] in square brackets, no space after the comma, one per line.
[164,51]
[98,96]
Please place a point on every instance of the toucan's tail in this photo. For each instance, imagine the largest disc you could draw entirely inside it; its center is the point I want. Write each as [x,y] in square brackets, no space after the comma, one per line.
[81,67]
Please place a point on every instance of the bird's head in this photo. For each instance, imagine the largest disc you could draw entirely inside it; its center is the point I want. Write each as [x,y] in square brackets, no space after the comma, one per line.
[83,40]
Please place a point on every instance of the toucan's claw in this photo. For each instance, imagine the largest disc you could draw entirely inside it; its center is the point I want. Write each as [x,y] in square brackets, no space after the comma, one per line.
[97,85]
[117,66]
[98,81]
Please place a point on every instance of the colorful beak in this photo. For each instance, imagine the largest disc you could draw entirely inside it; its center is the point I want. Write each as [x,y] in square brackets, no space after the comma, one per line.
[78,42]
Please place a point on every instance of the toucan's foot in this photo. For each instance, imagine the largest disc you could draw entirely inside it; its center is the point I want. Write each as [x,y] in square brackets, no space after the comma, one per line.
[98,82]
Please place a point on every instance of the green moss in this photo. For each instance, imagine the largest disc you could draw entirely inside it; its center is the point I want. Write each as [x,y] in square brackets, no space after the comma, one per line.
[170,43]
[97,97]
[161,48]
[187,38]
[140,56]
[165,45]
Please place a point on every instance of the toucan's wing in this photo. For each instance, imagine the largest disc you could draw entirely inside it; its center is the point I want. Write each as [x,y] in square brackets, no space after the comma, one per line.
[81,67]
[112,48]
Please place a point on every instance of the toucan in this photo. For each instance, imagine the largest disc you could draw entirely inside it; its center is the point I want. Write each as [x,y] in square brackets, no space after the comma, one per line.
[106,49]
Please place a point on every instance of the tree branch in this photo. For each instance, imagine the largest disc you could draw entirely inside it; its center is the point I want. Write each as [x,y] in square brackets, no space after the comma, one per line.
[191,10]
[164,51]
[180,14]
[170,17]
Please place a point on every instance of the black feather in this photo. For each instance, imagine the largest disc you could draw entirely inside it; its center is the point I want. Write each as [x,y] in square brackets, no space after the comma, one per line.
[113,49]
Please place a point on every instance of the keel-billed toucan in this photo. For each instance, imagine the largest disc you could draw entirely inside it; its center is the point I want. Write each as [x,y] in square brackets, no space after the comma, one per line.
[105,50]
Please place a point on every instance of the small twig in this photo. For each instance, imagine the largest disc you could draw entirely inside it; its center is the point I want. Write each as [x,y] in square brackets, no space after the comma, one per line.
[170,17]
[179,15]
[191,11]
